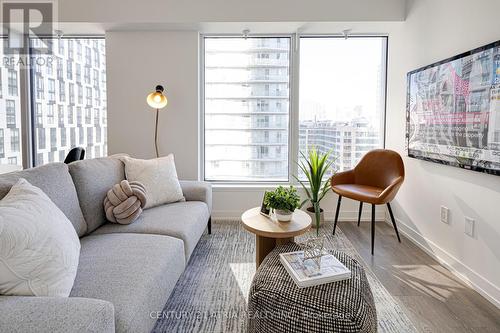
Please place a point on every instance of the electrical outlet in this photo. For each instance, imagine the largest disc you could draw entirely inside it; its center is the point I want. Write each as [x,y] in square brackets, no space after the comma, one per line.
[445,214]
[469,226]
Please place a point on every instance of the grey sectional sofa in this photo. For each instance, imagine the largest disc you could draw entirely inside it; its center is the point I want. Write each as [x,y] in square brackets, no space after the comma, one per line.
[126,272]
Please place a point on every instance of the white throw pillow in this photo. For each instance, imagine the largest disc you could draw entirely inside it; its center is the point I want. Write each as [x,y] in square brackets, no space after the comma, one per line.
[39,247]
[159,178]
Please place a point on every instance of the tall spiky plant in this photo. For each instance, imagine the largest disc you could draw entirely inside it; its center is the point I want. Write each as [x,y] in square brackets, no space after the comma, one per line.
[314,168]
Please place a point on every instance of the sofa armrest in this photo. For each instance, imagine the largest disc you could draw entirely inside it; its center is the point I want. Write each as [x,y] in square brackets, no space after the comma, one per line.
[197,191]
[56,314]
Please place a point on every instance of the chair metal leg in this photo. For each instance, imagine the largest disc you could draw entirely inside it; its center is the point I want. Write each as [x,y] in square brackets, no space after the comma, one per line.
[209,225]
[393,221]
[360,210]
[337,214]
[373,226]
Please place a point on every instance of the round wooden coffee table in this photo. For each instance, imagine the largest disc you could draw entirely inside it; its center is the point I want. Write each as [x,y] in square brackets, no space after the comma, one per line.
[269,232]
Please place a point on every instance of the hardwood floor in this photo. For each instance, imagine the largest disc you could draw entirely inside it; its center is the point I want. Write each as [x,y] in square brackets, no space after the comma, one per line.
[434,299]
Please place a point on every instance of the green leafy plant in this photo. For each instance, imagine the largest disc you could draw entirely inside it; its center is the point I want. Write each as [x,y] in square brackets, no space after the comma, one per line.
[283,198]
[315,167]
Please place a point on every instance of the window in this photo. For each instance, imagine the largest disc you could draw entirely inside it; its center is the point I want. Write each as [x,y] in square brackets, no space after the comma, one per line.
[62,91]
[53,137]
[50,114]
[345,108]
[238,141]
[13,87]
[39,87]
[71,115]
[69,69]
[41,138]
[247,133]
[89,96]
[2,144]
[14,140]
[56,145]
[51,90]
[38,114]
[60,75]
[60,115]
[78,70]
[10,110]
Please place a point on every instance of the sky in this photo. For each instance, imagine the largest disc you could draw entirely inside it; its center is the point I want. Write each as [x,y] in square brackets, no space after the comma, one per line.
[337,74]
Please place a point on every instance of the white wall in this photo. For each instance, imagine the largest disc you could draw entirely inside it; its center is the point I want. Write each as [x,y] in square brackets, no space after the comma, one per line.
[136,63]
[434,30]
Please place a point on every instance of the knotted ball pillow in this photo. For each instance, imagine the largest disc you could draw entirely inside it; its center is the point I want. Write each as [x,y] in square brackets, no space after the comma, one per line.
[124,202]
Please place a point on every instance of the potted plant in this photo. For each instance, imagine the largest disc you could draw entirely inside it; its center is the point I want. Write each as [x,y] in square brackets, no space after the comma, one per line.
[315,167]
[283,201]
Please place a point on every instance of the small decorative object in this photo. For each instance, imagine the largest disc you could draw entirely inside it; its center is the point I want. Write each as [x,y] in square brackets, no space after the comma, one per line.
[264,210]
[315,168]
[124,202]
[157,100]
[313,251]
[283,201]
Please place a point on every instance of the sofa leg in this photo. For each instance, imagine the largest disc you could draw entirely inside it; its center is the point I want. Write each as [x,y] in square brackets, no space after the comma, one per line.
[209,225]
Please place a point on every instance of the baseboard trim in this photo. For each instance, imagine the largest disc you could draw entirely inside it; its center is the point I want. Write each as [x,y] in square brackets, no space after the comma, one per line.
[350,216]
[471,278]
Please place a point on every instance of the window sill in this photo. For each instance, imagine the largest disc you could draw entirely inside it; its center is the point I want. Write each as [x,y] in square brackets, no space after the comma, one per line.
[249,187]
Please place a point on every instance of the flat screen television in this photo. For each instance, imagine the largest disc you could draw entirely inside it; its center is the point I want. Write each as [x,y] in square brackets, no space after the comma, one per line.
[453,111]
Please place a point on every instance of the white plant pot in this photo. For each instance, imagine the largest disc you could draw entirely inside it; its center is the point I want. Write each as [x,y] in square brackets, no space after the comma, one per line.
[310,212]
[283,215]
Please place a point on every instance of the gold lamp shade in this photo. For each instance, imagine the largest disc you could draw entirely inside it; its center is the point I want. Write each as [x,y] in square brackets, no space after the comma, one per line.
[156,99]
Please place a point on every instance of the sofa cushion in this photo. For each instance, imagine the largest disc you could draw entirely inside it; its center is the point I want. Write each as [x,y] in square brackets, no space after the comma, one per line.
[93,179]
[21,314]
[184,220]
[55,181]
[135,272]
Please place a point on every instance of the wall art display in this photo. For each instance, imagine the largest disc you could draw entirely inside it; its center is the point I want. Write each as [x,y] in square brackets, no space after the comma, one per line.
[453,111]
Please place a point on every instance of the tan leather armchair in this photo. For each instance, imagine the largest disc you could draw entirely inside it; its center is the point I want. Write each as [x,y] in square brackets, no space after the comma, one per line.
[375,180]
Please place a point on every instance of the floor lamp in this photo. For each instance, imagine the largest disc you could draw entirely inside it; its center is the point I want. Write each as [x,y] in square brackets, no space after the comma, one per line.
[157,100]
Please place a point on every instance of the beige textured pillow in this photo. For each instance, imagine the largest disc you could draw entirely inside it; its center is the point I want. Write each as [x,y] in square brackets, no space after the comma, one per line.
[158,176]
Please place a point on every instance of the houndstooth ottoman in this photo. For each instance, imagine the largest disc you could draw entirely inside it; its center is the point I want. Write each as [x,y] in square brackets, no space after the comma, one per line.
[276,304]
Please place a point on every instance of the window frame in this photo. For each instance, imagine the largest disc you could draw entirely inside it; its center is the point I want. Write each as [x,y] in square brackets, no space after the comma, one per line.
[293,108]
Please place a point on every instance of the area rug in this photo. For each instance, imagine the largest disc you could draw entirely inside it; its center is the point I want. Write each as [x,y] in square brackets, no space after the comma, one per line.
[211,295]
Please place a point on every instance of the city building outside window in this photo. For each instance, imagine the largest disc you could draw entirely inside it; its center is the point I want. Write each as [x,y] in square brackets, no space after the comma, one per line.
[10,115]
[240,145]
[67,81]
